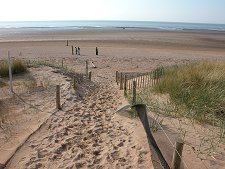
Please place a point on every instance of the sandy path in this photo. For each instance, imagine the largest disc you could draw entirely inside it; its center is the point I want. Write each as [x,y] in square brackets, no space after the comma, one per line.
[25,112]
[84,135]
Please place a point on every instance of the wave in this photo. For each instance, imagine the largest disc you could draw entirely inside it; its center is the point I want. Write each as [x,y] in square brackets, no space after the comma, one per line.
[111,24]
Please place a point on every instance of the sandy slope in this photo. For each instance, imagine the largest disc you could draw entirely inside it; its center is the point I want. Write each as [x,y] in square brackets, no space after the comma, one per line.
[83,135]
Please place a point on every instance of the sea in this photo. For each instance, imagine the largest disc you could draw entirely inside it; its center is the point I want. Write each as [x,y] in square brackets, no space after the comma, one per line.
[111,24]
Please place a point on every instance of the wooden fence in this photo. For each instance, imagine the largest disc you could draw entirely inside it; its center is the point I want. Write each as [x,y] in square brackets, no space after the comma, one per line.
[60,67]
[125,79]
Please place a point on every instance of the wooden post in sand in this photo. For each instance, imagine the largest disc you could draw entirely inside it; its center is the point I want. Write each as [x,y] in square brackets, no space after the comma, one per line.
[72,50]
[177,154]
[58,105]
[89,76]
[67,43]
[148,75]
[86,63]
[121,81]
[10,73]
[62,63]
[125,85]
[117,77]
[134,92]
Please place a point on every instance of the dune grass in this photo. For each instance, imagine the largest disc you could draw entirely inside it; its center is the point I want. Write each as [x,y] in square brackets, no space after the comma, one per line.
[2,84]
[17,67]
[196,89]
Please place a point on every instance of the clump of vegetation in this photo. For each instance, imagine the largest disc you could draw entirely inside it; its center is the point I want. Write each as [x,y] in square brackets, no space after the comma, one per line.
[196,89]
[17,67]
[4,69]
[2,84]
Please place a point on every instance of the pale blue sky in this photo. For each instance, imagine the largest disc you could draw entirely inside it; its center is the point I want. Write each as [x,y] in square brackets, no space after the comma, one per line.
[202,11]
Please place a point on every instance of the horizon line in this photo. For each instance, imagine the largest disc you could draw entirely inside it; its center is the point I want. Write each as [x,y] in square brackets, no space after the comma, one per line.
[112,20]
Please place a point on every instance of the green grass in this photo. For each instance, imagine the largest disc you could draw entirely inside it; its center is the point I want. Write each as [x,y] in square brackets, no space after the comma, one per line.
[17,67]
[196,89]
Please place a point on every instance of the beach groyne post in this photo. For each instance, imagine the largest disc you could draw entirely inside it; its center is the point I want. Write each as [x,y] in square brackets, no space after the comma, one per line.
[72,50]
[134,92]
[121,81]
[10,72]
[86,67]
[176,161]
[58,105]
[89,76]
[142,114]
[125,85]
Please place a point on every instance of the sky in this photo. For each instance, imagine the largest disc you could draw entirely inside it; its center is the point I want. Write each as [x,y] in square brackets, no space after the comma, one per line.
[197,11]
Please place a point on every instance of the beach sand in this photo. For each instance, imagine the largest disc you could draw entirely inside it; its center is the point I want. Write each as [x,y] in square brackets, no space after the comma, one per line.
[87,132]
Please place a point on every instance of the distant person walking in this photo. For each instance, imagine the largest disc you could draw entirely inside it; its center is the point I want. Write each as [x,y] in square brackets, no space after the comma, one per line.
[78,50]
[96,50]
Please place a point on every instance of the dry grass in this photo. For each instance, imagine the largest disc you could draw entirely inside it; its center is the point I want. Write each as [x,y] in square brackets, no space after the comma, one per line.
[17,67]
[196,89]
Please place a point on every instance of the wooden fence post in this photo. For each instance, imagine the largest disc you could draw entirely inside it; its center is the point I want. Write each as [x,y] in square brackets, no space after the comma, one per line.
[138,82]
[131,80]
[58,105]
[134,92]
[125,85]
[10,73]
[121,81]
[67,43]
[72,50]
[89,76]
[86,63]
[143,81]
[177,154]
[117,77]
[155,77]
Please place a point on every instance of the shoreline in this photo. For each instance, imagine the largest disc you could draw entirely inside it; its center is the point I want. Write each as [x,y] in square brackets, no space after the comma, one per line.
[151,40]
[112,24]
